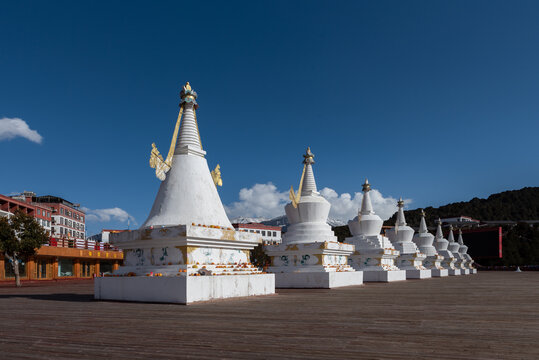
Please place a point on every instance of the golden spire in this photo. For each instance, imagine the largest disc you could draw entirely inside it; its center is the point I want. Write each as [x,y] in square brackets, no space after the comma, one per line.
[308,158]
[366,186]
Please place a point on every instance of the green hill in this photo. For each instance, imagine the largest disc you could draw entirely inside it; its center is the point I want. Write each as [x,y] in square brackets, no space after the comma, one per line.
[513,205]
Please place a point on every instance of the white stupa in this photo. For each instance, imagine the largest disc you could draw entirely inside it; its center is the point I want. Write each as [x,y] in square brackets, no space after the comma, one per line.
[186,250]
[463,251]
[374,255]
[441,245]
[460,260]
[424,241]
[310,255]
[410,258]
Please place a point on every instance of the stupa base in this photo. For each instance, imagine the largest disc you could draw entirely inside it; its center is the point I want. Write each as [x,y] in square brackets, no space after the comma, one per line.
[182,289]
[418,274]
[465,271]
[453,272]
[318,280]
[439,272]
[384,276]
[473,271]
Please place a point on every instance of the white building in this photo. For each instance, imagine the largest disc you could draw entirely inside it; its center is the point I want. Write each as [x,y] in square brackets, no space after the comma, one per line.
[460,220]
[270,234]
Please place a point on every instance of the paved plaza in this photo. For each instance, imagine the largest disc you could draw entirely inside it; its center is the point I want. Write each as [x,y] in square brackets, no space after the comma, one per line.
[491,315]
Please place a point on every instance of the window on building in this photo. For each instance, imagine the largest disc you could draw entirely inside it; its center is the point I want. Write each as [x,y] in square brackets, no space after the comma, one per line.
[82,219]
[65,267]
[274,234]
[105,267]
[38,211]
[8,268]
[263,233]
[258,231]
[86,269]
[41,269]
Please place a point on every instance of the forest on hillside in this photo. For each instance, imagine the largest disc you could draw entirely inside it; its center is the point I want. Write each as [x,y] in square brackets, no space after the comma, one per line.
[513,205]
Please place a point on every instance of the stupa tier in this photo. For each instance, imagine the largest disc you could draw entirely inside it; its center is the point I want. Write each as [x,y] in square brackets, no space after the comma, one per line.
[374,254]
[463,249]
[460,260]
[441,244]
[424,242]
[410,258]
[310,255]
[186,250]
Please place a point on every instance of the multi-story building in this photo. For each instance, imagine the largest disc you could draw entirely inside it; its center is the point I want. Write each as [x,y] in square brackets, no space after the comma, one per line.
[68,221]
[270,234]
[42,213]
[68,254]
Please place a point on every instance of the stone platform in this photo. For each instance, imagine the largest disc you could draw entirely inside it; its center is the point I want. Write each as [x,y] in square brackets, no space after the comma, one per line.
[182,289]
[384,276]
[325,280]
[453,272]
[439,272]
[418,274]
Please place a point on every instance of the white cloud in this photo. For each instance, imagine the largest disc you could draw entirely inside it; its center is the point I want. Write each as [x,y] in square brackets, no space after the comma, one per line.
[106,215]
[12,128]
[261,200]
[345,206]
[265,200]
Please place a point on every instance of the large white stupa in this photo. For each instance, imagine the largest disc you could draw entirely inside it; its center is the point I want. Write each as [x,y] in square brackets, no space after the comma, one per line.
[441,244]
[463,250]
[460,260]
[424,241]
[186,250]
[310,255]
[410,258]
[374,255]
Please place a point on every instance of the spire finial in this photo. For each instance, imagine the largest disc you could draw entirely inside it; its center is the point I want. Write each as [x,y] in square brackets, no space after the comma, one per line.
[366,186]
[423,223]
[188,95]
[308,158]
[400,203]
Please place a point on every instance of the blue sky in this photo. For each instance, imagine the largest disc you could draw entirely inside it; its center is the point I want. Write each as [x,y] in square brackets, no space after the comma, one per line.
[432,100]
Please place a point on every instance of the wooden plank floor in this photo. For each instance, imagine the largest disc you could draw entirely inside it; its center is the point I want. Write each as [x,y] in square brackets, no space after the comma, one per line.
[491,315]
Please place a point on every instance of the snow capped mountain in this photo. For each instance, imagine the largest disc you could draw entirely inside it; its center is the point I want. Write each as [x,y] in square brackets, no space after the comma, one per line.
[335,222]
[279,221]
[247,220]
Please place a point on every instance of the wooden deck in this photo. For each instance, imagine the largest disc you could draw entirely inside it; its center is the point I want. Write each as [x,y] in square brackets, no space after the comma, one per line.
[491,315]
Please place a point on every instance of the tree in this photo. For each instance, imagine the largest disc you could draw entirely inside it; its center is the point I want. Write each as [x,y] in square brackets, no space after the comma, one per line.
[259,257]
[20,237]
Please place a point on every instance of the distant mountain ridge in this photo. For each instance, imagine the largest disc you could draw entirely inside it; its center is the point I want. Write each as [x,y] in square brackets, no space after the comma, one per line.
[513,205]
[278,221]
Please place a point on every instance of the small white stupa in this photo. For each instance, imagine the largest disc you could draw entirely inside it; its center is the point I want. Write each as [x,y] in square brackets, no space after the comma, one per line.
[424,239]
[441,245]
[460,260]
[463,250]
[374,255]
[186,250]
[410,258]
[310,255]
